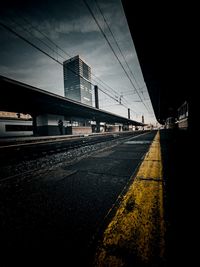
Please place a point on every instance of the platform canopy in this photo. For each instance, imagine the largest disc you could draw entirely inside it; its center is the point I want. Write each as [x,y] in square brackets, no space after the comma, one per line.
[163,35]
[22,98]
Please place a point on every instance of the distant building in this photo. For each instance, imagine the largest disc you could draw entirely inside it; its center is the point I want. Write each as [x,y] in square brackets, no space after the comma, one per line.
[77,80]
[6,114]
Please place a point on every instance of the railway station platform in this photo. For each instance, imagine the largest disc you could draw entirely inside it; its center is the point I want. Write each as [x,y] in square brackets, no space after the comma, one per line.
[153,225]
[154,217]
[177,148]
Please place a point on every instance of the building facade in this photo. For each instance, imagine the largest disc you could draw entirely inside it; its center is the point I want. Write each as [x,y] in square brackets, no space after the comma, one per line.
[77,80]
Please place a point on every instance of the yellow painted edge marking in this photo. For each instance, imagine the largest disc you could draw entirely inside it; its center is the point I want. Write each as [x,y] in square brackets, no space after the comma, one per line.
[136,231]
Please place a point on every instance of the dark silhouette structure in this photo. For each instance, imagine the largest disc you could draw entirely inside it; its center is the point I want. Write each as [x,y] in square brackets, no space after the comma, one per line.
[60,126]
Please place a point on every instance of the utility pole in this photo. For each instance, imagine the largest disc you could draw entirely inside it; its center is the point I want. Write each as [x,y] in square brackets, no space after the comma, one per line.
[96,96]
[142,121]
[120,99]
[142,118]
[129,114]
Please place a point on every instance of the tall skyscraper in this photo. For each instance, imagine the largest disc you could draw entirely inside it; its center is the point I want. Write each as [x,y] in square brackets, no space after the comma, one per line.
[77,80]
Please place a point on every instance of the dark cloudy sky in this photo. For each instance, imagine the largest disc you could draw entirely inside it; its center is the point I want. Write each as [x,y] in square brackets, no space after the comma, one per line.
[69,24]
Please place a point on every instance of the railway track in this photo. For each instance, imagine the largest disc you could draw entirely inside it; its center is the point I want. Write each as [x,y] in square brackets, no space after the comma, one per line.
[11,152]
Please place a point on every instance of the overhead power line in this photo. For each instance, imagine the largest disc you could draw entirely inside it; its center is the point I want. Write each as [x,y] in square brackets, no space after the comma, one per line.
[67,54]
[53,58]
[117,97]
[105,20]
[47,38]
[45,53]
[27,41]
[103,84]
[26,30]
[110,45]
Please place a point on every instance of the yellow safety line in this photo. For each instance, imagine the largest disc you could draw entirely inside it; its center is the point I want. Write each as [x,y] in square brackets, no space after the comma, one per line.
[136,233]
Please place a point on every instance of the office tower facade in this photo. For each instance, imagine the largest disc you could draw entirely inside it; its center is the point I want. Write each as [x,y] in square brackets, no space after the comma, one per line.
[77,80]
